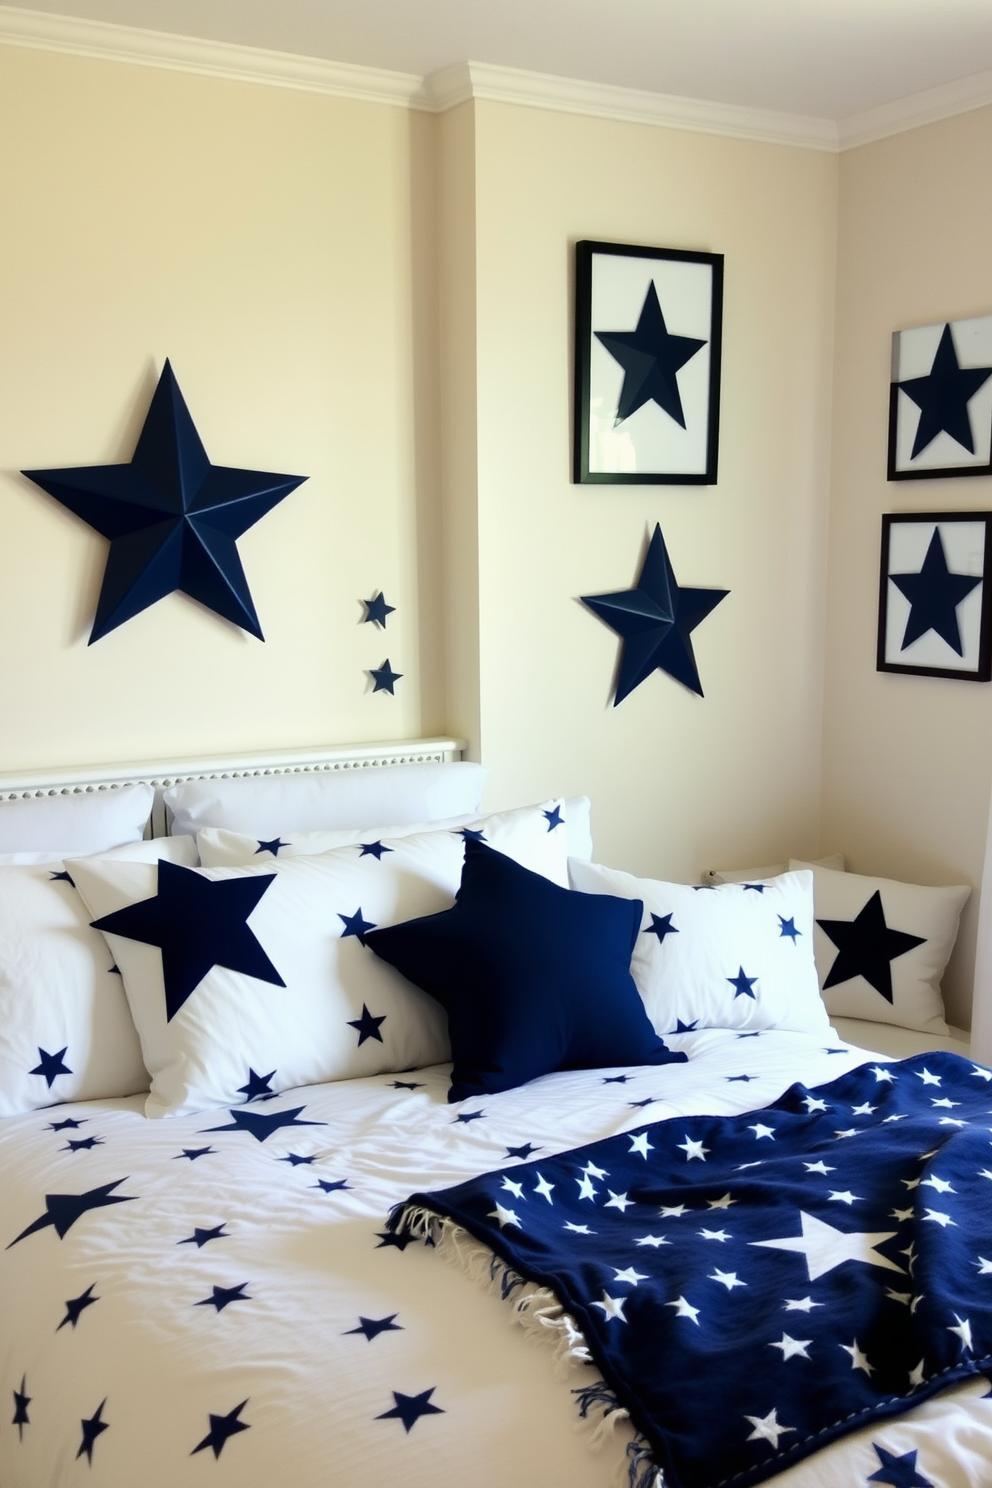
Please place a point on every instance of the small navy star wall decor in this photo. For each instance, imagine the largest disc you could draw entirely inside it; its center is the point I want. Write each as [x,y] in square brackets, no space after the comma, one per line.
[940,403]
[655,621]
[647,364]
[377,609]
[171,517]
[934,615]
[384,678]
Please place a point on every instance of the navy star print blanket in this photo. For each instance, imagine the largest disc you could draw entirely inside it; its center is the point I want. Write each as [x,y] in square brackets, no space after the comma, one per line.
[753,1287]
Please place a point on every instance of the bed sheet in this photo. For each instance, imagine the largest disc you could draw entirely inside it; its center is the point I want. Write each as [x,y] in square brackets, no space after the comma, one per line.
[215,1299]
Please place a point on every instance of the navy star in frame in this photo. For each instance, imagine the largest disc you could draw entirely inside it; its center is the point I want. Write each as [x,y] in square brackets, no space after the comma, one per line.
[171,517]
[385,678]
[934,594]
[943,395]
[935,620]
[655,621]
[198,923]
[651,358]
[866,947]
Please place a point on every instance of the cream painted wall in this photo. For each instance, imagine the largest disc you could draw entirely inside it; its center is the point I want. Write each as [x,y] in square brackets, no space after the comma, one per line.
[280,248]
[907,760]
[678,783]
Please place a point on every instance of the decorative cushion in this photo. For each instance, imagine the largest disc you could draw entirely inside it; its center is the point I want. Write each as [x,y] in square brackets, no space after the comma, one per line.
[75,823]
[219,848]
[66,1032]
[733,956]
[244,981]
[881,947]
[325,800]
[534,978]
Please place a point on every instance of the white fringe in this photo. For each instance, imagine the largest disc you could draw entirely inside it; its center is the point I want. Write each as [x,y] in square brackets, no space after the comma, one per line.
[538,1311]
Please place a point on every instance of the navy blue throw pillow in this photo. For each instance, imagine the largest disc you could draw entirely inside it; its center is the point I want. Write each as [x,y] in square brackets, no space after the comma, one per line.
[533,977]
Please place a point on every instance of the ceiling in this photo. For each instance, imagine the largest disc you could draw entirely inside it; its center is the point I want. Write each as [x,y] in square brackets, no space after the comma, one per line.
[830,59]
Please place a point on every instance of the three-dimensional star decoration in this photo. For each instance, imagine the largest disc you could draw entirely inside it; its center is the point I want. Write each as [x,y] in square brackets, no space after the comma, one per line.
[51,1066]
[371,1327]
[91,1430]
[222,1297]
[825,1247]
[377,609]
[222,1428]
[62,1210]
[198,923]
[898,1472]
[866,946]
[367,1026]
[651,358]
[261,1125]
[21,1402]
[384,677]
[172,518]
[410,1408]
[655,621]
[942,397]
[934,594]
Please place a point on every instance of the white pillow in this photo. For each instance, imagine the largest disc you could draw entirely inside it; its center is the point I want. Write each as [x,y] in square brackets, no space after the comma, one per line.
[75,823]
[219,848]
[901,984]
[265,805]
[341,1013]
[725,957]
[66,1032]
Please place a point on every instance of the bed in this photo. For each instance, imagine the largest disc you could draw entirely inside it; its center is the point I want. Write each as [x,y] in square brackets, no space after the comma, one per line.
[218,1292]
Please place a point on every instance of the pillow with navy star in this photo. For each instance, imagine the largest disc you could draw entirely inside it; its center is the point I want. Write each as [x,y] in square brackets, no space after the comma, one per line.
[235,973]
[881,947]
[731,956]
[534,978]
[66,1032]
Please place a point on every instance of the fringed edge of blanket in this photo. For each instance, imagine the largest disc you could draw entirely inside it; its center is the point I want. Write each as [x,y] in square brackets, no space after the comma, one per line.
[538,1311]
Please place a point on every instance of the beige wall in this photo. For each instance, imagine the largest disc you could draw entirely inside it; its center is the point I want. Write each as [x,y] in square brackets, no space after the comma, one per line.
[677,782]
[907,760]
[279,247]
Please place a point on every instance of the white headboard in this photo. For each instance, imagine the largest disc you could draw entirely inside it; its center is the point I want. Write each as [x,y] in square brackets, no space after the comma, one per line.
[162,774]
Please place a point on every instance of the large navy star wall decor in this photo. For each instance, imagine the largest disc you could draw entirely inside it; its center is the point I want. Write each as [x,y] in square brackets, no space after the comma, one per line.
[171,517]
[940,400]
[648,325]
[655,621]
[934,616]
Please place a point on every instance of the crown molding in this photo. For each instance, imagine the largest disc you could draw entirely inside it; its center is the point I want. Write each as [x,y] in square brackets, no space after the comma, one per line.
[41,31]
[466,80]
[918,109]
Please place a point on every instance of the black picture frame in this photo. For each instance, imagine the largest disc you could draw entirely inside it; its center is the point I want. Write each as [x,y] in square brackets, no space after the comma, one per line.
[649,444]
[940,401]
[919,617]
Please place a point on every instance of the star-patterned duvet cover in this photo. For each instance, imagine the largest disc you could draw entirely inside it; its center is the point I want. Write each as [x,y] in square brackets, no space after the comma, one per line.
[217,1298]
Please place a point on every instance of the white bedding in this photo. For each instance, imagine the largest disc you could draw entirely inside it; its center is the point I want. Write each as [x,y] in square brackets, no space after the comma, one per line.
[300,1266]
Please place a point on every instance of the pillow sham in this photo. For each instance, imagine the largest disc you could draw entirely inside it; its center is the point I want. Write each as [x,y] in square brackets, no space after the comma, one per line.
[66,1032]
[328,800]
[244,981]
[730,956]
[219,848]
[75,823]
[881,947]
[534,978]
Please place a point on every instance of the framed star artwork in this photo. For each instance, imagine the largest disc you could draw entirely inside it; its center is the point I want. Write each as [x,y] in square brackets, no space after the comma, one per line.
[934,616]
[648,324]
[940,400]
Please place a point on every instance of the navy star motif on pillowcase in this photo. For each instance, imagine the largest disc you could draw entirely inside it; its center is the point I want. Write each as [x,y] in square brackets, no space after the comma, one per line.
[374,850]
[651,358]
[942,397]
[384,677]
[198,923]
[76,1306]
[742,984]
[92,1428]
[410,1408]
[471,834]
[367,1026]
[221,1297]
[788,928]
[50,1066]
[62,877]
[258,1087]
[376,610]
[63,1210]
[934,594]
[681,1027]
[260,1124]
[21,1402]
[661,925]
[866,946]
[172,518]
[371,1327]
[355,925]
[222,1428]
[655,620]
[273,846]
[554,818]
